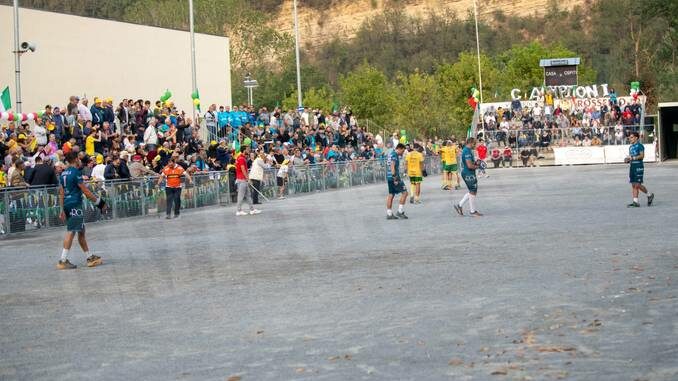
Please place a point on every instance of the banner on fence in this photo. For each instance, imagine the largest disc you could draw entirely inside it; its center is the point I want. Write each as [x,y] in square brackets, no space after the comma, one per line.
[579,155]
[598,155]
[616,154]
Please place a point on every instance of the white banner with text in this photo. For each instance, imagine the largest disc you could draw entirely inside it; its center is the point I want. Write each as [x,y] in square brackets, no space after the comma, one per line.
[598,155]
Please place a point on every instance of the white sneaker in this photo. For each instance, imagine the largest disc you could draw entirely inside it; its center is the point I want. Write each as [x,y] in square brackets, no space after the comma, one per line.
[281,198]
[241,213]
[255,211]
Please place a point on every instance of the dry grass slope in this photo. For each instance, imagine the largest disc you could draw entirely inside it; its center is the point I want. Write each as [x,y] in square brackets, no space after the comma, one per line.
[343,19]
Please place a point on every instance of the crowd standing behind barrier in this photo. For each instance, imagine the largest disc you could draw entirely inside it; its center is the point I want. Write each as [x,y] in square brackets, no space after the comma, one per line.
[121,146]
[36,208]
[543,126]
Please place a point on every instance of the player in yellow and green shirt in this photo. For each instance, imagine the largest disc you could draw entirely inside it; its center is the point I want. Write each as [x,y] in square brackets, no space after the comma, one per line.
[448,155]
[415,171]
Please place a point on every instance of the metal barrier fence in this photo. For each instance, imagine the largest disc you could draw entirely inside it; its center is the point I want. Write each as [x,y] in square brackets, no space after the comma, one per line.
[33,209]
[609,135]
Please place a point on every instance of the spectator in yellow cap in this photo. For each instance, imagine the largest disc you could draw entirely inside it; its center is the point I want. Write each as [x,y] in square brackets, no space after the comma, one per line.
[97,112]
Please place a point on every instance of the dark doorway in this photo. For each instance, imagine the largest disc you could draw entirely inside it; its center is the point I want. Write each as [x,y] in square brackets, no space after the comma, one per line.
[669,135]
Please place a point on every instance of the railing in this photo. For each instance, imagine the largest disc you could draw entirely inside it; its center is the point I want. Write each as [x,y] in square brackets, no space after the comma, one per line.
[571,136]
[33,209]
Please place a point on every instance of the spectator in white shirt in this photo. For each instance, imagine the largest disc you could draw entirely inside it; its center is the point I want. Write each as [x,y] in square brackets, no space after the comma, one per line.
[40,133]
[83,111]
[99,169]
[151,135]
[259,165]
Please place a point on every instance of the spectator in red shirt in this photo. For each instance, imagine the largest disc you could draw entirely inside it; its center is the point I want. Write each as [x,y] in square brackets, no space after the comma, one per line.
[508,156]
[627,117]
[242,183]
[481,151]
[496,157]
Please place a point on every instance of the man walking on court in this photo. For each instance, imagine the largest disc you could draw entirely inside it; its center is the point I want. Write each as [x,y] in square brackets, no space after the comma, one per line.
[173,172]
[242,183]
[71,189]
[637,170]
[468,173]
[395,184]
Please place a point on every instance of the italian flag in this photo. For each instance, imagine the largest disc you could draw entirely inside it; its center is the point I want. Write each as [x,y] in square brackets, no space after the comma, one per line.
[5,100]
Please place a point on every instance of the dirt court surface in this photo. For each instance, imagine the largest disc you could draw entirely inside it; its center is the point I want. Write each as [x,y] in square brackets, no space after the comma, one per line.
[559,280]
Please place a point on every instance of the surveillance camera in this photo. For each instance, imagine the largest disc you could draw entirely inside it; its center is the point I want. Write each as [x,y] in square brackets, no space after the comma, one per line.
[28,46]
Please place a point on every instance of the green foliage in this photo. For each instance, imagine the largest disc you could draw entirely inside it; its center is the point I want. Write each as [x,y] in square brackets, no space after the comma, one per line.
[618,40]
[369,94]
[321,98]
[313,98]
[106,9]
[418,105]
[520,65]
[455,81]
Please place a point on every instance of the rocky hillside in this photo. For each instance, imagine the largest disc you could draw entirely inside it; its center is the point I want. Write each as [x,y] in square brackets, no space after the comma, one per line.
[343,18]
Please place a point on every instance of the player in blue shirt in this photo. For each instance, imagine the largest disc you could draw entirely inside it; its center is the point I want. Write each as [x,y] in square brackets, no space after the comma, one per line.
[395,184]
[636,170]
[71,190]
[468,173]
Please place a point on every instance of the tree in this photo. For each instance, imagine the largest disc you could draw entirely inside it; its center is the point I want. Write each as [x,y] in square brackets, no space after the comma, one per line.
[456,80]
[520,65]
[320,99]
[419,108]
[369,94]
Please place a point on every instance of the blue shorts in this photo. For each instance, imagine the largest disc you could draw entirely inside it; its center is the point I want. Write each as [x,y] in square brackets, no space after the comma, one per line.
[636,172]
[471,181]
[394,188]
[75,217]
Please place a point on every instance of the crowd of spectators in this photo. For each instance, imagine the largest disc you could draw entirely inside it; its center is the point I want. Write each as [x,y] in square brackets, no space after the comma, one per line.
[137,138]
[543,125]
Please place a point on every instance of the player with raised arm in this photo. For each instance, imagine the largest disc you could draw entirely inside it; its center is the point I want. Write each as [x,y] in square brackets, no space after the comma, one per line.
[637,170]
[395,184]
[468,173]
[71,190]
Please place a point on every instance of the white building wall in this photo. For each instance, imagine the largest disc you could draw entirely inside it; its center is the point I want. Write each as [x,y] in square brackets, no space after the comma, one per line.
[86,56]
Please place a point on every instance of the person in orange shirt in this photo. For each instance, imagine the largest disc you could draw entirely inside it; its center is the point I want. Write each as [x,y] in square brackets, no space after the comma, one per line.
[68,146]
[172,173]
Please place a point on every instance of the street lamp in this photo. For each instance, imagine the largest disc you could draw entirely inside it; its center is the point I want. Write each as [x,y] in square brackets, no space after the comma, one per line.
[250,84]
[296,49]
[18,51]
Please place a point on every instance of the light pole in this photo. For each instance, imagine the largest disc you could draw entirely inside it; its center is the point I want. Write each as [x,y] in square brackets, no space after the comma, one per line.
[250,84]
[296,46]
[192,31]
[480,76]
[17,56]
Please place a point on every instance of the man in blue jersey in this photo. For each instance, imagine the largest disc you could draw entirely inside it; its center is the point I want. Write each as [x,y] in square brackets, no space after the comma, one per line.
[468,173]
[395,184]
[636,170]
[71,190]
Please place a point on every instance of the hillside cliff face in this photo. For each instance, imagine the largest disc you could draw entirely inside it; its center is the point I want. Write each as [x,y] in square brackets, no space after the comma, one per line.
[343,19]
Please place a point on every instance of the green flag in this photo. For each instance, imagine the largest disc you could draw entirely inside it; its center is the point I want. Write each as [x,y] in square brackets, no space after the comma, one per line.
[5,100]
